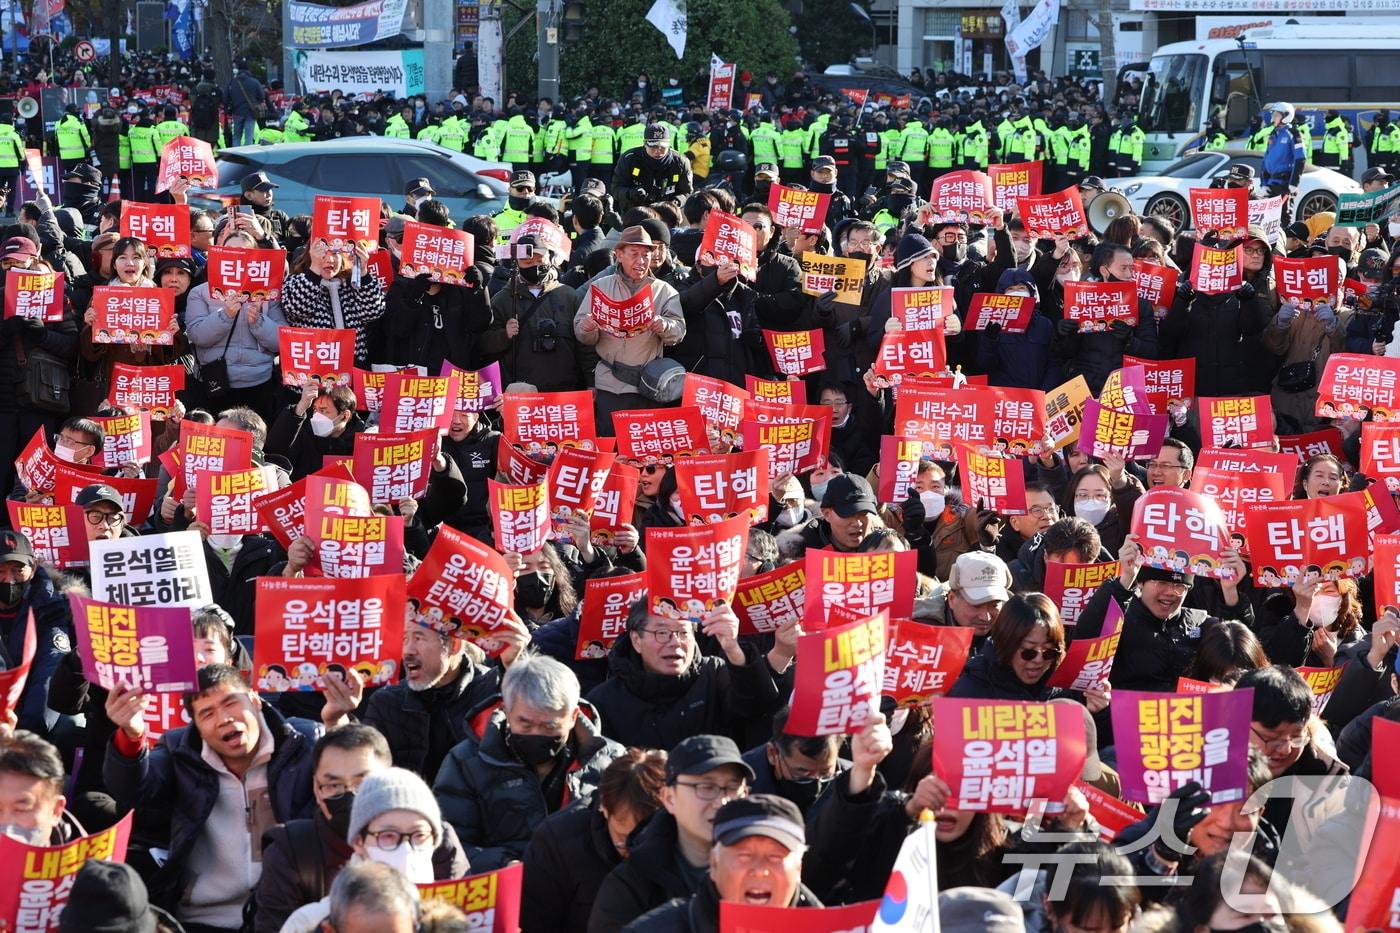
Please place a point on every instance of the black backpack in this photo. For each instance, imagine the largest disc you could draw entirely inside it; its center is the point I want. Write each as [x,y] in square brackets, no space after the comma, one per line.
[205,110]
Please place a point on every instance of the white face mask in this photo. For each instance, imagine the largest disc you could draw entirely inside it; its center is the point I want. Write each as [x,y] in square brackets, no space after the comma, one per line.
[321,426]
[414,864]
[787,518]
[65,453]
[225,542]
[1063,277]
[1325,610]
[32,835]
[1091,510]
[933,502]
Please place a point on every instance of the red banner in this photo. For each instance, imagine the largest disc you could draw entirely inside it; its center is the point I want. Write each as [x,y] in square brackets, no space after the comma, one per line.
[1216,271]
[209,448]
[780,391]
[1237,422]
[923,661]
[1235,492]
[1095,305]
[921,308]
[37,296]
[721,403]
[1089,661]
[575,478]
[1071,586]
[899,466]
[491,901]
[863,583]
[134,315]
[1307,278]
[797,436]
[145,388]
[839,675]
[1013,181]
[909,353]
[1012,312]
[659,435]
[418,403]
[1244,460]
[1051,215]
[351,541]
[1353,384]
[1112,814]
[1302,446]
[542,422]
[440,253]
[256,274]
[990,481]
[730,237]
[767,600]
[55,531]
[627,317]
[796,352]
[1297,538]
[960,197]
[224,501]
[997,755]
[1130,435]
[990,417]
[394,466]
[309,630]
[1380,454]
[12,681]
[462,586]
[36,881]
[1387,572]
[805,210]
[603,619]
[693,570]
[715,487]
[138,495]
[126,439]
[341,222]
[1222,210]
[322,355]
[1156,285]
[721,90]
[1169,384]
[188,159]
[1180,531]
[164,228]
[612,507]
[519,516]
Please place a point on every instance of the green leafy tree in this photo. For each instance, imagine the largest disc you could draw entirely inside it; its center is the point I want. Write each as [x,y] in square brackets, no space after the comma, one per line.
[618,44]
[831,33]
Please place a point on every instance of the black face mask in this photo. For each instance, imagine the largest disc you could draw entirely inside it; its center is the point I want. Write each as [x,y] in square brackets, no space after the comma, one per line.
[760,191]
[1258,926]
[863,257]
[825,187]
[533,590]
[533,274]
[956,253]
[340,808]
[899,203]
[535,750]
[11,594]
[518,202]
[802,793]
[1341,252]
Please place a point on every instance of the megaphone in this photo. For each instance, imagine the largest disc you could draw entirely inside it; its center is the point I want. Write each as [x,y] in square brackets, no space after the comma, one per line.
[1105,209]
[28,108]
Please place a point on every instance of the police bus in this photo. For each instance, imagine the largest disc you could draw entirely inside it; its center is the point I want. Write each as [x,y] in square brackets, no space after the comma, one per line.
[1353,68]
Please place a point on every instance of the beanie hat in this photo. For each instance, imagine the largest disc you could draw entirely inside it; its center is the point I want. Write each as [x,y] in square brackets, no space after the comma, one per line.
[911,246]
[1012,277]
[393,789]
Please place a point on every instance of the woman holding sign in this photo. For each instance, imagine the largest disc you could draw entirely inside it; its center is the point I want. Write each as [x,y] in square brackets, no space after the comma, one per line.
[103,346]
[335,290]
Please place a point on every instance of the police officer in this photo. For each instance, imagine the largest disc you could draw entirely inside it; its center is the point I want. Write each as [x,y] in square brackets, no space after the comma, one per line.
[518,199]
[1214,137]
[1127,153]
[415,193]
[400,125]
[843,146]
[824,175]
[633,133]
[296,128]
[942,148]
[1079,148]
[71,134]
[650,174]
[170,127]
[976,144]
[913,148]
[1383,142]
[11,158]
[578,142]
[145,156]
[602,149]
[792,150]
[1336,141]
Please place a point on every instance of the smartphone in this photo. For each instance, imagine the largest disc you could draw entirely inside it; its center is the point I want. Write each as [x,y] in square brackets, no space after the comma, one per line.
[245,209]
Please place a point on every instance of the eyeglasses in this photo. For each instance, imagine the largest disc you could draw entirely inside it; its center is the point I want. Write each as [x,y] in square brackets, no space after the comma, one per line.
[1160,465]
[1283,743]
[708,791]
[111,519]
[1045,654]
[664,636]
[389,839]
[202,230]
[1091,497]
[1040,511]
[837,404]
[331,789]
[804,775]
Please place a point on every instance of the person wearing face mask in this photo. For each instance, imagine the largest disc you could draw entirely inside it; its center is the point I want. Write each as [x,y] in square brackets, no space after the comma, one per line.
[854,425]
[428,323]
[1096,354]
[323,422]
[27,587]
[823,180]
[539,752]
[1021,359]
[531,331]
[652,172]
[32,806]
[798,768]
[1325,621]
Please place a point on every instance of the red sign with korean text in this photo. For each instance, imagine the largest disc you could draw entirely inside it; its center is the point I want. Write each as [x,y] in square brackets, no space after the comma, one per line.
[462,587]
[899,466]
[659,435]
[1247,421]
[208,447]
[1216,271]
[134,315]
[922,661]
[805,210]
[1297,538]
[960,197]
[145,388]
[224,501]
[187,158]
[612,507]
[1235,492]
[722,403]
[310,630]
[1181,531]
[164,228]
[36,881]
[322,355]
[921,308]
[1244,460]
[418,403]
[54,531]
[1380,454]
[990,417]
[36,296]
[255,274]
[626,317]
[992,481]
[1353,384]
[840,672]
[1156,285]
[542,422]
[1089,661]
[691,571]
[1096,305]
[796,352]
[1013,181]
[1012,312]
[1071,586]
[603,619]
[714,487]
[770,599]
[797,436]
[730,237]
[1302,446]
[126,439]
[1169,384]
[519,516]
[781,391]
[997,756]
[1307,277]
[862,583]
[1050,215]
[341,222]
[440,253]
[138,495]
[1223,210]
[575,479]
[394,467]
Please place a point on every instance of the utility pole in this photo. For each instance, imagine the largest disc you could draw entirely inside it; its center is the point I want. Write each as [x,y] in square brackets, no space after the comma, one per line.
[547,14]
[488,51]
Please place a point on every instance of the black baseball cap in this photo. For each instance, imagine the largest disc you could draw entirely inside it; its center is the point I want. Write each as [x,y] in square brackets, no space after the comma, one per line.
[1166,576]
[1093,183]
[848,494]
[15,546]
[418,186]
[258,181]
[768,815]
[657,135]
[84,174]
[522,177]
[700,754]
[100,492]
[823,161]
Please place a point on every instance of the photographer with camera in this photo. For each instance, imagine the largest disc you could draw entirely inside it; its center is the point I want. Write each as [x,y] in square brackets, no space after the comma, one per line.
[532,324]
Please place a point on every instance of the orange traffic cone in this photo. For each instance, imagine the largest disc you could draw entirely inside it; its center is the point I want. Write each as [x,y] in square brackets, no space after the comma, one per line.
[116,192]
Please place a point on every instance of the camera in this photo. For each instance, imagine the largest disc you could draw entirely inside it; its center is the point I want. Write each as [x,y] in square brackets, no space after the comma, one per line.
[546,339]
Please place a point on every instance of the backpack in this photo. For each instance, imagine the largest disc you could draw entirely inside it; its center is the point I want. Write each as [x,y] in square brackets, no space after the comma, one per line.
[205,109]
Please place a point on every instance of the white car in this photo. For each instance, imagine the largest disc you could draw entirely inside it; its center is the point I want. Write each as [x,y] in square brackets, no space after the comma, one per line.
[1165,195]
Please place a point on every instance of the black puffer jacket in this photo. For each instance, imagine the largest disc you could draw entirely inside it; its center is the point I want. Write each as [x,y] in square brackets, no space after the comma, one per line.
[494,800]
[1095,355]
[1153,652]
[986,678]
[475,456]
[407,717]
[710,347]
[1212,328]
[545,321]
[646,880]
[565,863]
[713,697]
[422,329]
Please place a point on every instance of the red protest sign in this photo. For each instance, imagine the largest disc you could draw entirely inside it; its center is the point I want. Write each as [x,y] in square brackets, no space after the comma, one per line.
[693,570]
[1307,278]
[1244,460]
[283,512]
[491,901]
[990,417]
[612,507]
[659,435]
[12,680]
[1089,661]
[1216,271]
[1372,904]
[922,661]
[254,274]
[165,228]
[1013,181]
[1298,538]
[462,586]
[369,388]
[352,546]
[418,403]
[126,439]
[1071,586]
[1011,312]
[1234,492]
[755,918]
[732,238]
[840,672]
[1387,572]
[341,222]
[1107,431]
[322,355]
[1169,384]
[394,467]
[921,308]
[37,464]
[1302,446]
[134,315]
[519,516]
[770,599]
[1181,531]
[992,481]
[187,159]
[1353,384]
[36,296]
[863,583]
[960,197]
[138,495]
[441,253]
[575,478]
[797,436]
[721,90]
[1223,210]
[1380,454]
[1096,305]
[1237,422]
[1112,814]
[907,353]
[626,317]
[209,448]
[1323,683]
[542,422]
[770,390]
[1051,215]
[796,352]
[1156,285]
[714,487]
[36,881]
[721,403]
[224,501]
[603,619]
[899,466]
[54,531]
[145,388]
[310,630]
[997,755]
[804,210]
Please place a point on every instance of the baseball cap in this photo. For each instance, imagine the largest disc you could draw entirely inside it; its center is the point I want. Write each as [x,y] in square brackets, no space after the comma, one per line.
[897,167]
[1371,264]
[824,161]
[1166,576]
[975,910]
[418,186]
[700,754]
[1241,171]
[593,186]
[19,247]
[522,177]
[394,226]
[765,169]
[99,492]
[258,181]
[768,815]
[848,494]
[84,174]
[107,897]
[15,546]
[790,489]
[1377,173]
[656,135]
[980,577]
[1093,183]
[1298,231]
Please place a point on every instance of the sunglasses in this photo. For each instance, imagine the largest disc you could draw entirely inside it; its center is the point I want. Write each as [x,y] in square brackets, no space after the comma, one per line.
[653,468]
[1045,654]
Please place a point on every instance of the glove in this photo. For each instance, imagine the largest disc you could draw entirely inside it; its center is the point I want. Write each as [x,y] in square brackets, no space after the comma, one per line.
[1121,330]
[1191,803]
[33,328]
[1185,291]
[993,331]
[1245,292]
[1325,314]
[473,277]
[1287,311]
[914,517]
[826,304]
[1066,327]
[988,528]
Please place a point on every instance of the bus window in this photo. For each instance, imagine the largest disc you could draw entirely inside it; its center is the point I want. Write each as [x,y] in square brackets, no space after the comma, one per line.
[1232,96]
[1377,74]
[1174,93]
[1301,77]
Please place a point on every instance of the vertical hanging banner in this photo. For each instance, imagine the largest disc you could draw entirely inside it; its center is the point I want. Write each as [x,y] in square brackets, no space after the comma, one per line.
[34,296]
[923,661]
[322,355]
[768,600]
[164,228]
[796,352]
[1224,211]
[1237,422]
[1181,531]
[1166,740]
[603,619]
[1354,384]
[150,647]
[310,630]
[1070,586]
[840,672]
[1301,538]
[732,238]
[863,583]
[462,587]
[343,222]
[1013,181]
[1216,271]
[691,571]
[997,755]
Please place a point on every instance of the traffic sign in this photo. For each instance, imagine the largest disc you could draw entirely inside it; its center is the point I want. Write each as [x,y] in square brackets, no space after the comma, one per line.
[84,51]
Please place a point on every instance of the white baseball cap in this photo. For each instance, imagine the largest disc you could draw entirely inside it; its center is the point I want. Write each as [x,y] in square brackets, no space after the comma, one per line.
[979,577]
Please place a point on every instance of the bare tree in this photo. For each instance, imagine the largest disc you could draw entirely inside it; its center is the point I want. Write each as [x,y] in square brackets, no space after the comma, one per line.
[236,27]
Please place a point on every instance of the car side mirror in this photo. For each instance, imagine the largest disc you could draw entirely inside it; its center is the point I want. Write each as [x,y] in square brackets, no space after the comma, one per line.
[484,191]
